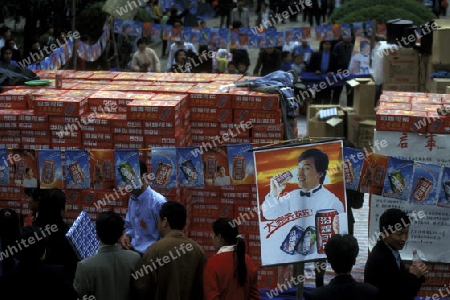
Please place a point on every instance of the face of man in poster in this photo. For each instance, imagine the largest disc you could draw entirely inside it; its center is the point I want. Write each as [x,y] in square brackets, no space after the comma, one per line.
[308,177]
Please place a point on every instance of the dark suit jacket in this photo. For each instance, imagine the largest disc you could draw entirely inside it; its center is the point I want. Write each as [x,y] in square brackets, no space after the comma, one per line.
[344,287]
[381,270]
[315,62]
[36,280]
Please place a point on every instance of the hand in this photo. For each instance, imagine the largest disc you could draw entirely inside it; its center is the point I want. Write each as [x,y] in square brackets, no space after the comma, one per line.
[419,270]
[125,241]
[275,191]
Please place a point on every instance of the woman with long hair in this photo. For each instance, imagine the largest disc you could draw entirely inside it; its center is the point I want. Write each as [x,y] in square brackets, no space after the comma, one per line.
[229,274]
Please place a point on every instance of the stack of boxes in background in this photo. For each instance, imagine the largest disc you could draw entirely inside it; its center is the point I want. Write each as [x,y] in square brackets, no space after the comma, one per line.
[439,61]
[107,110]
[401,70]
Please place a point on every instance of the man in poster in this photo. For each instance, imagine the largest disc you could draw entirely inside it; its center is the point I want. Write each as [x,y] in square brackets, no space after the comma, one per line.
[299,207]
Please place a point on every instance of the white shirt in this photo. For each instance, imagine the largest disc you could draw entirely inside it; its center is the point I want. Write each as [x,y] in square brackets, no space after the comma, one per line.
[146,56]
[290,46]
[225,180]
[364,64]
[30,183]
[187,46]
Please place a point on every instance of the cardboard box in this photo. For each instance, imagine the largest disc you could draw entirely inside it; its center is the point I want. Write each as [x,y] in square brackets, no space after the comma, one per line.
[364,91]
[207,98]
[395,105]
[404,87]
[441,42]
[401,120]
[257,116]
[433,68]
[63,106]
[439,85]
[437,123]
[210,114]
[365,134]
[254,100]
[319,128]
[401,66]
[166,111]
[353,121]
[121,145]
[16,99]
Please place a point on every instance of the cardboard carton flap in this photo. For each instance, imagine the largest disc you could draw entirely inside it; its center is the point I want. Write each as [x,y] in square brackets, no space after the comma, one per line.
[334,121]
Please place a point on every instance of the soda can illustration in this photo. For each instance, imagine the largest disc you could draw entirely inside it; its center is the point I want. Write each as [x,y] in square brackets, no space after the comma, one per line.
[189,170]
[307,241]
[222,101]
[20,171]
[349,172]
[239,167]
[327,225]
[422,189]
[69,109]
[397,182]
[435,125]
[242,115]
[107,169]
[291,240]
[48,171]
[283,178]
[127,172]
[223,114]
[165,114]
[268,104]
[210,167]
[76,172]
[163,173]
[89,198]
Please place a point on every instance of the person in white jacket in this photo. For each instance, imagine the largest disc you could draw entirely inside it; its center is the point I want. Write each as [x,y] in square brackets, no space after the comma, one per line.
[145,59]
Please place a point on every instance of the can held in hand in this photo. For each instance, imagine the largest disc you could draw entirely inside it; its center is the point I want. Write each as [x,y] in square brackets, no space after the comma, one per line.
[282,178]
[327,225]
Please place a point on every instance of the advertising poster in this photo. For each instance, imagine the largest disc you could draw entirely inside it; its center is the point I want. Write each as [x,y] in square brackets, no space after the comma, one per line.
[25,168]
[128,172]
[77,169]
[397,183]
[353,161]
[50,169]
[190,167]
[360,61]
[164,168]
[241,164]
[4,167]
[299,34]
[147,30]
[444,189]
[215,164]
[425,184]
[301,200]
[346,31]
[102,169]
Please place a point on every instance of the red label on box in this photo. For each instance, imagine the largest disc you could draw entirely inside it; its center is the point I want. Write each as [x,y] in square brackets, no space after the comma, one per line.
[66,106]
[257,116]
[401,120]
[209,114]
[165,111]
[209,99]
[254,100]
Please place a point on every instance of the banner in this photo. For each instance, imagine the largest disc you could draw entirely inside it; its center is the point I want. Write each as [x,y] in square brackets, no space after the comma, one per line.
[301,200]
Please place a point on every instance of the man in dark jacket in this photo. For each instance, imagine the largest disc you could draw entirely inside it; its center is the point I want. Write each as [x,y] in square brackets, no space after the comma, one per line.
[384,268]
[324,62]
[269,60]
[341,251]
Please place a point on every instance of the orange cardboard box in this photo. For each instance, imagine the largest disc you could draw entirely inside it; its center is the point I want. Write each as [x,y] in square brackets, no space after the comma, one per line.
[96,144]
[35,139]
[425,107]
[395,98]
[165,111]
[199,124]
[10,139]
[179,140]
[64,106]
[426,100]
[36,133]
[209,98]
[64,147]
[63,141]
[210,114]
[16,99]
[254,100]
[158,125]
[257,116]
[394,105]
[401,120]
[102,75]
[127,131]
[131,145]
[437,123]
[213,209]
[97,136]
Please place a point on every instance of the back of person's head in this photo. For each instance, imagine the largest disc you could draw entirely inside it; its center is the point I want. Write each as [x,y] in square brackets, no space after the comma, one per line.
[236,24]
[228,231]
[143,168]
[52,202]
[3,30]
[141,41]
[320,160]
[37,242]
[285,54]
[341,251]
[9,223]
[175,213]
[394,219]
[109,226]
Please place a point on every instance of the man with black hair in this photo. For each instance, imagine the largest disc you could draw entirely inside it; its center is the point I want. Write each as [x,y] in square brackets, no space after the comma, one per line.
[171,268]
[384,267]
[142,217]
[106,275]
[341,251]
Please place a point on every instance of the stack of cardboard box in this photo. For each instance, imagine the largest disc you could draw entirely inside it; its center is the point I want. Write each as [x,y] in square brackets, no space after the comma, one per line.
[401,70]
[439,59]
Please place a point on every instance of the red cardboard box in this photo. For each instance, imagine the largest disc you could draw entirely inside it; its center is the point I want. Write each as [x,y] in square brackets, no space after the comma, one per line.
[395,105]
[96,144]
[35,139]
[213,209]
[154,125]
[235,130]
[437,123]
[97,136]
[121,145]
[210,132]
[395,98]
[401,120]
[64,106]
[425,107]
[127,138]
[102,75]
[16,99]
[257,116]
[254,100]
[127,130]
[199,124]
[34,133]
[179,140]
[209,114]
[9,132]
[206,98]
[165,111]
[126,124]
[77,75]
[426,100]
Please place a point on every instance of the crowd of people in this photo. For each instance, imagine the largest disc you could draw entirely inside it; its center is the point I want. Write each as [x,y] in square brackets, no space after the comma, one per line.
[147,256]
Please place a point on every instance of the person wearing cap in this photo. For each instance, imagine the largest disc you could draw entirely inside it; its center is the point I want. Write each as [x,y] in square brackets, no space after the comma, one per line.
[230,273]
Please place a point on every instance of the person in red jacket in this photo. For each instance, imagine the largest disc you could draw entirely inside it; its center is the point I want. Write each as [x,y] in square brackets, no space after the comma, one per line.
[219,280]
